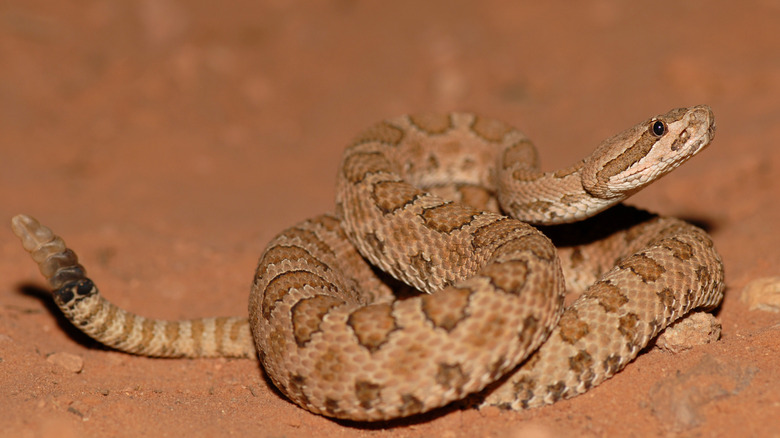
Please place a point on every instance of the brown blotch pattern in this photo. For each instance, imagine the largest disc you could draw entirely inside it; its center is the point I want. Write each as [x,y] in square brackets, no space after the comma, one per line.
[539,245]
[556,391]
[307,316]
[390,196]
[358,166]
[295,389]
[432,123]
[492,234]
[523,389]
[448,217]
[629,157]
[679,142]
[410,405]
[280,285]
[571,327]
[612,364]
[509,276]
[332,406]
[643,266]
[476,196]
[703,275]
[522,153]
[527,333]
[572,199]
[382,132]
[451,376]
[581,362]
[373,325]
[447,308]
[491,130]
[609,296]
[628,325]
[666,297]
[654,327]
[367,393]
[680,250]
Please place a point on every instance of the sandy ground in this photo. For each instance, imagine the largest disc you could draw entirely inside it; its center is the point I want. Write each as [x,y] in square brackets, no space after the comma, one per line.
[169,142]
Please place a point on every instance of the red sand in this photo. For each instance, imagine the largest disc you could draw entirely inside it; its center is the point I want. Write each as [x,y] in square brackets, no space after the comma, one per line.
[168,143]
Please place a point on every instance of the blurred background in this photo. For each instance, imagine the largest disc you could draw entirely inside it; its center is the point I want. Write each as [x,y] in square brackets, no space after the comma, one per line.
[168,141]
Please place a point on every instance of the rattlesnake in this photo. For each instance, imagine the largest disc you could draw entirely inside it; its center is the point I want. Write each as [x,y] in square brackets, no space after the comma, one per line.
[340,338]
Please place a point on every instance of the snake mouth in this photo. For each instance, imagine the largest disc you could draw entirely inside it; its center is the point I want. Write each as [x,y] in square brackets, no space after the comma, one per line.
[697,144]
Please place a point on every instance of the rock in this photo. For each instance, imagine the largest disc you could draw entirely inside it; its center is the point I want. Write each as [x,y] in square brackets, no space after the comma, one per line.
[69,361]
[696,329]
[762,294]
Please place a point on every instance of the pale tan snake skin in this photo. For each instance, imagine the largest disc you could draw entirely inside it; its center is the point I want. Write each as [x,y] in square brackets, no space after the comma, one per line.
[341,339]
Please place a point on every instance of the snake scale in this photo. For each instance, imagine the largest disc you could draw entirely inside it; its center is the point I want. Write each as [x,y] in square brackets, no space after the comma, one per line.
[333,312]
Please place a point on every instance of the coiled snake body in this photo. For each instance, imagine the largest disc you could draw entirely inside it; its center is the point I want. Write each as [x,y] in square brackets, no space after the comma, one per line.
[418,197]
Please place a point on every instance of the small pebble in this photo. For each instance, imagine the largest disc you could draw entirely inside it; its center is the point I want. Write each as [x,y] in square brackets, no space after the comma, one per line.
[69,361]
[762,294]
[696,329]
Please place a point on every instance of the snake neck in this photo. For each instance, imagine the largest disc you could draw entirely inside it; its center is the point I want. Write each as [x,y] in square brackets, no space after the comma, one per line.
[621,166]
[549,198]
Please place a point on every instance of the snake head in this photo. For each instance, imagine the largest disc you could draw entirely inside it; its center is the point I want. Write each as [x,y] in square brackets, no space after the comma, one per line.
[629,161]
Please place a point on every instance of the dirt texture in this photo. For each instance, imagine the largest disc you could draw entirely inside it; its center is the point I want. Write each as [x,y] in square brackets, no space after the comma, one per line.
[169,141]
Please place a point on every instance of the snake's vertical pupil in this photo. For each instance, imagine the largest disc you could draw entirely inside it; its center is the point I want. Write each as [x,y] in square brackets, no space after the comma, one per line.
[659,128]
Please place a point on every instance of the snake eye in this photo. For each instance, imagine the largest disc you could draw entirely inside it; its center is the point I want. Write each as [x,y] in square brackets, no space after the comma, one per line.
[659,128]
